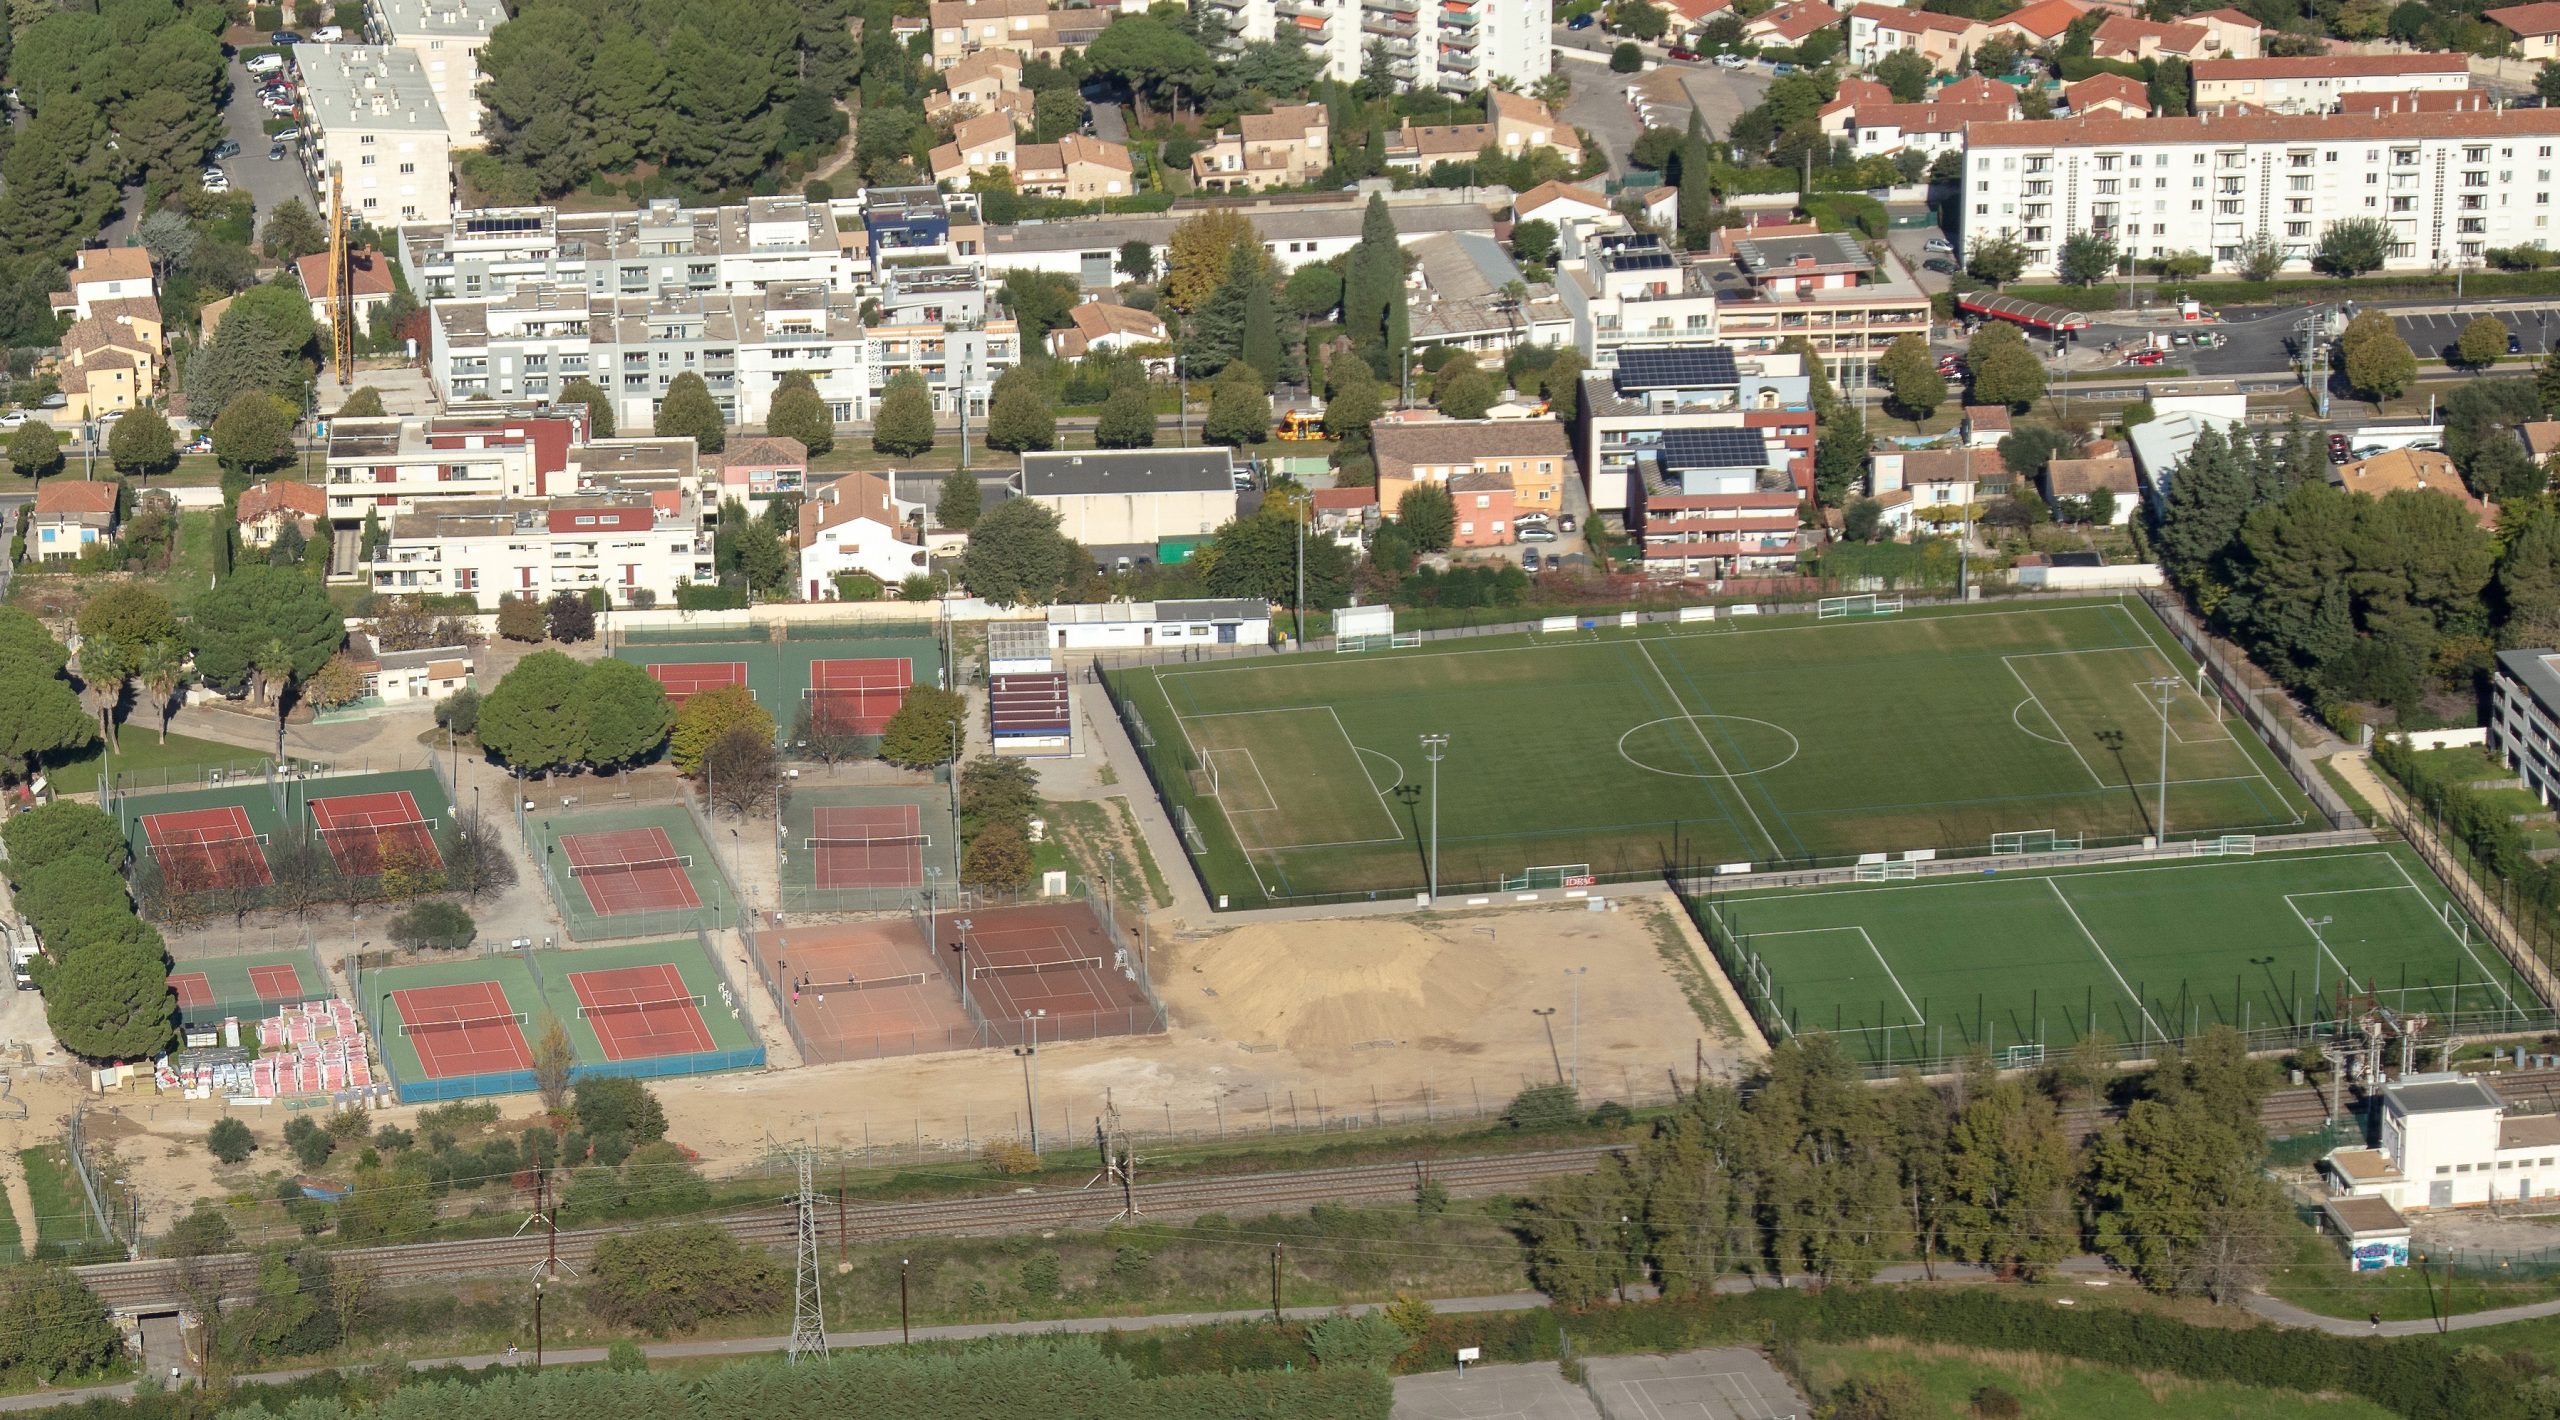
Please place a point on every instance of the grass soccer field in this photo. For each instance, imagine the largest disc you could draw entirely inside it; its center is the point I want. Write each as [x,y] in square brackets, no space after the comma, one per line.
[1933,968]
[1762,740]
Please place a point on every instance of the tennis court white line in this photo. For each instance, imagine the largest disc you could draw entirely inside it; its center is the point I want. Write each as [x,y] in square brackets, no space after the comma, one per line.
[2485,973]
[2323,942]
[1890,974]
[1690,718]
[2102,955]
[2056,721]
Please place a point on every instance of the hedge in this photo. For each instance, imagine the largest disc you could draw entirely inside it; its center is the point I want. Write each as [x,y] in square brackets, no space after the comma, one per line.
[1049,1379]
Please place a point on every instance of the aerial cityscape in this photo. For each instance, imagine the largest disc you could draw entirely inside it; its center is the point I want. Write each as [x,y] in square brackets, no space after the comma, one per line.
[1574,710]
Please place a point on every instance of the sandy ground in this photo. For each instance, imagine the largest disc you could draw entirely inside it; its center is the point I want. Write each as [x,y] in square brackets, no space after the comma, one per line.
[1275,1026]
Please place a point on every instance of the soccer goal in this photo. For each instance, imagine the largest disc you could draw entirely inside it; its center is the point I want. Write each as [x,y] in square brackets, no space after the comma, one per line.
[1554,875]
[2018,1057]
[2032,840]
[1191,838]
[1885,872]
[1862,604]
[2229,845]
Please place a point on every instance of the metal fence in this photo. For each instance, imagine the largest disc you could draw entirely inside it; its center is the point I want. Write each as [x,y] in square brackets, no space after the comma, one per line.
[178,778]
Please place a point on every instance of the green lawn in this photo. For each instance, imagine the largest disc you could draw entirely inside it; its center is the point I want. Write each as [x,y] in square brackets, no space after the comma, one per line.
[1938,966]
[181,758]
[2315,1278]
[64,1225]
[2051,1388]
[1767,740]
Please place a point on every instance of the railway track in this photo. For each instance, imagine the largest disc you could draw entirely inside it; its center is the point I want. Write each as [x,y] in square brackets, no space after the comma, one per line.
[143,1286]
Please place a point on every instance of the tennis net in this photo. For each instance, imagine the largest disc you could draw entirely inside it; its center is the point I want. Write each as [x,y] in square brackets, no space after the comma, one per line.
[864,983]
[229,844]
[634,1008]
[409,1028]
[1015,967]
[894,840]
[682,862]
[420,826]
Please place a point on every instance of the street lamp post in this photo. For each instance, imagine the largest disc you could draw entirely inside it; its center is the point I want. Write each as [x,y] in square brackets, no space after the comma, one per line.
[1547,1017]
[961,948]
[932,909]
[1029,1055]
[2167,688]
[1433,746]
[537,1322]
[1574,974]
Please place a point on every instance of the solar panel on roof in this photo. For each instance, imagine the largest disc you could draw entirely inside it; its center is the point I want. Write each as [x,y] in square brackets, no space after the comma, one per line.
[1713,448]
[1680,367]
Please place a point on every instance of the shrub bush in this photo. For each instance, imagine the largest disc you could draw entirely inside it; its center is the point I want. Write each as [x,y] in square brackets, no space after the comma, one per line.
[230,1140]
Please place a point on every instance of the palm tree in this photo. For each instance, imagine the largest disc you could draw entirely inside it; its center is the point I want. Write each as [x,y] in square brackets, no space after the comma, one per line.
[160,670]
[105,665]
[273,667]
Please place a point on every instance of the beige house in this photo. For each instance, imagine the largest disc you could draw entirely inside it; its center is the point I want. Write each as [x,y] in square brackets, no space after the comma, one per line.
[105,273]
[265,508]
[2108,95]
[2536,28]
[1876,31]
[1789,24]
[72,515]
[109,364]
[2217,34]
[1028,28]
[1102,325]
[987,82]
[1530,455]
[1282,148]
[1075,167]
[2042,23]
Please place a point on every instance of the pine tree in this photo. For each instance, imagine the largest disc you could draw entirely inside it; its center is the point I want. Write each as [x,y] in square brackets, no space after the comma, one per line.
[2210,494]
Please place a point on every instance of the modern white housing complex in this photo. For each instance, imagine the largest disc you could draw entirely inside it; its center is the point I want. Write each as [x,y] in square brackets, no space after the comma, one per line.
[661,249]
[2450,185]
[1457,46]
[447,36]
[2524,727]
[535,340]
[643,545]
[374,118]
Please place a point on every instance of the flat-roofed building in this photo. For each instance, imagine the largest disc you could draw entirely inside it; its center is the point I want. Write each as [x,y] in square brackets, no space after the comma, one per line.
[447,36]
[625,543]
[372,116]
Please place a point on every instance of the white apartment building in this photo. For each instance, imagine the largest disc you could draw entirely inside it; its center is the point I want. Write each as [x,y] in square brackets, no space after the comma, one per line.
[662,249]
[2450,185]
[372,116]
[389,467]
[1626,289]
[489,549]
[1456,46]
[2524,724]
[534,340]
[447,36]
[2313,83]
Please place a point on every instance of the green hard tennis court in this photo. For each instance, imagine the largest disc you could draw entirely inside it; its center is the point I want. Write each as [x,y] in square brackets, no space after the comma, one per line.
[778,672]
[1761,740]
[540,985]
[251,986]
[1935,968]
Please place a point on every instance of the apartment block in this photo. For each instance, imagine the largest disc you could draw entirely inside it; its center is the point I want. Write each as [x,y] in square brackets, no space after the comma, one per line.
[1030,28]
[1283,148]
[1455,46]
[372,116]
[1626,414]
[2314,83]
[534,340]
[447,37]
[627,543]
[393,467]
[661,249]
[1797,280]
[1626,289]
[2450,185]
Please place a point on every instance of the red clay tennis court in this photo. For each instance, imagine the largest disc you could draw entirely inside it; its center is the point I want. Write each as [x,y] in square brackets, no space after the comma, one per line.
[367,833]
[276,984]
[465,1029]
[1043,959]
[867,845]
[857,697]
[862,990]
[200,850]
[641,1011]
[681,679]
[630,870]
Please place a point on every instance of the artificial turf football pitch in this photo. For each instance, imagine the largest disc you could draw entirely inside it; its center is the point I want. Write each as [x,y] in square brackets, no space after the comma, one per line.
[1936,968]
[1769,741]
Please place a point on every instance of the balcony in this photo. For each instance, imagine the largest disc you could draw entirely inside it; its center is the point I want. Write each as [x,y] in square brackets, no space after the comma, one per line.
[1392,26]
[1457,59]
[1461,19]
[1459,39]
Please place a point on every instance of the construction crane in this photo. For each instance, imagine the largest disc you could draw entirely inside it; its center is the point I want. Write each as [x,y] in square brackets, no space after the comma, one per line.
[342,301]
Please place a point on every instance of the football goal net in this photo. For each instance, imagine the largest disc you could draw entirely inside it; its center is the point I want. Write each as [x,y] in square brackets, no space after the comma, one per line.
[2033,840]
[1862,604]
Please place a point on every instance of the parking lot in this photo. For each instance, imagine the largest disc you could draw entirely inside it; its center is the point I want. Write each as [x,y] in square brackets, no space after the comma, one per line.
[244,122]
[2433,336]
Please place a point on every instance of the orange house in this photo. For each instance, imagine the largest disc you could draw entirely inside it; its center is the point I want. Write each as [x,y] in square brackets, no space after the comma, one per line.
[1484,504]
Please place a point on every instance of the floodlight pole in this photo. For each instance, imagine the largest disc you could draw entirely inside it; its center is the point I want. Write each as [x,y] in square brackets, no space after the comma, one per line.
[2167,688]
[1574,974]
[1030,1073]
[961,948]
[2319,948]
[1432,747]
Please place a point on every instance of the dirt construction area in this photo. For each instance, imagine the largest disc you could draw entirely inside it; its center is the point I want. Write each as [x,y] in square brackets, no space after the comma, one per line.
[1275,1026]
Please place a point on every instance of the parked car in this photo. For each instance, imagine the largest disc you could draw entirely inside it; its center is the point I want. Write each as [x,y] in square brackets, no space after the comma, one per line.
[264,64]
[275,152]
[53,401]
[14,418]
[1688,55]
[2146,358]
[227,148]
[200,444]
[1534,532]
[1950,364]
[1732,61]
[1568,523]
[1528,559]
[1583,21]
[1782,70]
[285,135]
[1938,244]
[328,34]
[2338,452]
[284,37]
[2515,344]
[1940,265]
